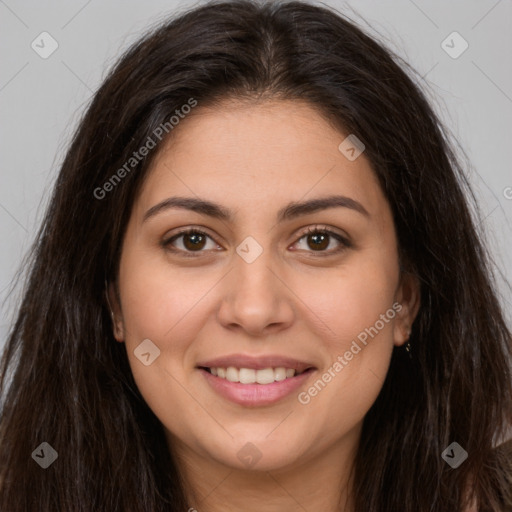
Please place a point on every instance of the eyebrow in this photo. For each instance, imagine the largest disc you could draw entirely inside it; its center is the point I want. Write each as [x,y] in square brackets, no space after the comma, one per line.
[289,212]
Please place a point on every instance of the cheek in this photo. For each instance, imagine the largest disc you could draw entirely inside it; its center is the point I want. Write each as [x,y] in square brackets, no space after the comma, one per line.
[163,305]
[351,299]
[171,317]
[358,315]
[159,299]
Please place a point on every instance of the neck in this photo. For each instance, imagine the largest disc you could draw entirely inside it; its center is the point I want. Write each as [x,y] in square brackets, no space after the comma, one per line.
[321,482]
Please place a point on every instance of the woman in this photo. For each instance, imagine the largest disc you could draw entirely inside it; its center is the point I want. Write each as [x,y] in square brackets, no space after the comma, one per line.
[258,286]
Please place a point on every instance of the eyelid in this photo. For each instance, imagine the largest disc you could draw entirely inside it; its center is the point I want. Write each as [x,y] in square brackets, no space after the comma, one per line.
[342,239]
[166,242]
[317,228]
[323,228]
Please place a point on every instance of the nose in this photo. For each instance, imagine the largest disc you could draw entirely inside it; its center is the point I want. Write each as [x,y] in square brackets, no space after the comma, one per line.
[255,298]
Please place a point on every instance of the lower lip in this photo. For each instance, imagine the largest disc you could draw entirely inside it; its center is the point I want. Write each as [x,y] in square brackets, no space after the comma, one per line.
[255,395]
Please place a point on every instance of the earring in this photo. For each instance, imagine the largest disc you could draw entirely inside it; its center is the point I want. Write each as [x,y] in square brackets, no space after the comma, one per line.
[408,345]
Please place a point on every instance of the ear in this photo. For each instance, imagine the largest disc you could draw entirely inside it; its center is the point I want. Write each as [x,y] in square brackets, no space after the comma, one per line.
[408,296]
[115,312]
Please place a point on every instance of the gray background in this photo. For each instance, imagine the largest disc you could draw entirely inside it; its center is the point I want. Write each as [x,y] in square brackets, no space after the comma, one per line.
[41,99]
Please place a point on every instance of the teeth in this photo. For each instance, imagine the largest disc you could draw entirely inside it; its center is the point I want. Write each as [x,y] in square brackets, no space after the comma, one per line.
[251,376]
[247,376]
[232,374]
[280,373]
[266,376]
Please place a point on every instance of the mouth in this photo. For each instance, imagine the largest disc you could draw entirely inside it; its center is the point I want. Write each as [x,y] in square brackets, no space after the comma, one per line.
[252,376]
[255,382]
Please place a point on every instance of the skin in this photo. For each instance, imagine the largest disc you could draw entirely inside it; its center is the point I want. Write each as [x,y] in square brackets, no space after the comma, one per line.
[293,300]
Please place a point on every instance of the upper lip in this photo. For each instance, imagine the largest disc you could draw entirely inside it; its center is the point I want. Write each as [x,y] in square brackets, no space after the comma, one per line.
[256,363]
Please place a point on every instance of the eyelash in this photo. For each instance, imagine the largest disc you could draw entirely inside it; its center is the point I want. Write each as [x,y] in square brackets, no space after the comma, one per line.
[345,243]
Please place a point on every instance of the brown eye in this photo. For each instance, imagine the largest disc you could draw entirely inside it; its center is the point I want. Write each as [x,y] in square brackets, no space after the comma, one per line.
[189,241]
[194,241]
[319,240]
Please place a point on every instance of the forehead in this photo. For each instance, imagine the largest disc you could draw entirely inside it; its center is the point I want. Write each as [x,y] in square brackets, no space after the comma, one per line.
[259,155]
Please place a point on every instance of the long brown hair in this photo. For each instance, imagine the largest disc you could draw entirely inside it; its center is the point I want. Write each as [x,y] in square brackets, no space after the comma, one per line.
[65,381]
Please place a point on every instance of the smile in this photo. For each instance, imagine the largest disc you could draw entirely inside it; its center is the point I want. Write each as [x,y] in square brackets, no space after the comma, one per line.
[251,376]
[255,382]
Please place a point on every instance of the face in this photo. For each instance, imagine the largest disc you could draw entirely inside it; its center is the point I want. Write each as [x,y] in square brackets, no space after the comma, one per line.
[287,281]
